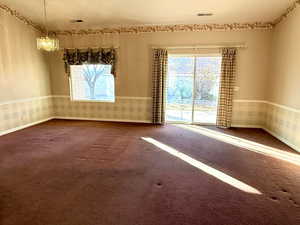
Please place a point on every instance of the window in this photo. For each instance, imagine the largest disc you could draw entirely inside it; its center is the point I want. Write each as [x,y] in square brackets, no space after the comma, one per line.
[92,83]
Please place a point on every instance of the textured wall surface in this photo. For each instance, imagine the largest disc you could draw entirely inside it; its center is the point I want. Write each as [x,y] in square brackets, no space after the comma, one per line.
[248,113]
[281,121]
[134,67]
[134,79]
[264,81]
[284,78]
[16,114]
[124,109]
[24,76]
[284,123]
[23,69]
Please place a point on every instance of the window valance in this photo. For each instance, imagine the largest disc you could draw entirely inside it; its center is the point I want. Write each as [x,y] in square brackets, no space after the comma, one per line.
[90,56]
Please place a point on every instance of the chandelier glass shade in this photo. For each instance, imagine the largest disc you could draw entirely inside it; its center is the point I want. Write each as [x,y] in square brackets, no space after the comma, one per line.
[47,44]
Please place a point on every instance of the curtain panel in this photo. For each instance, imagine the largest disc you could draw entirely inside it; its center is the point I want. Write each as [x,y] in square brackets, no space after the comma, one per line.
[160,63]
[228,70]
[90,56]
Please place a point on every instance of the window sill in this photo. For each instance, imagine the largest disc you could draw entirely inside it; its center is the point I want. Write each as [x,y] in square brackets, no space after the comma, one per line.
[93,101]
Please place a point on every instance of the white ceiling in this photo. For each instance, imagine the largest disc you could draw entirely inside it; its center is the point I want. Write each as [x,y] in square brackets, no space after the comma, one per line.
[106,13]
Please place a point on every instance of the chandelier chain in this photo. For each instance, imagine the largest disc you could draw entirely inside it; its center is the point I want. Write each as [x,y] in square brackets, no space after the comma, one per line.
[45,18]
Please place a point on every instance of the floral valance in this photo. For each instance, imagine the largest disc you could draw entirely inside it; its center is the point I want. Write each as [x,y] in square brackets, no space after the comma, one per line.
[90,56]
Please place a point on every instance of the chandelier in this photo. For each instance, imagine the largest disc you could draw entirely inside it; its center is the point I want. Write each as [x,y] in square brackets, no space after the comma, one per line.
[47,43]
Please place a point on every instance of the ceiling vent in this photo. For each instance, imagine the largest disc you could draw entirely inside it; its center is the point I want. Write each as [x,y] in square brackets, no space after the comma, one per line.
[205,14]
[76,21]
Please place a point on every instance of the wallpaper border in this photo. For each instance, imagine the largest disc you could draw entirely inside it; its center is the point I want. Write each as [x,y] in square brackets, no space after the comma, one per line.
[170,28]
[160,28]
[287,12]
[21,18]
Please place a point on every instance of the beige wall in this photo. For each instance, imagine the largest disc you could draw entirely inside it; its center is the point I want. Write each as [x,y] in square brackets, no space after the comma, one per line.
[24,77]
[283,82]
[23,69]
[134,77]
[267,70]
[285,73]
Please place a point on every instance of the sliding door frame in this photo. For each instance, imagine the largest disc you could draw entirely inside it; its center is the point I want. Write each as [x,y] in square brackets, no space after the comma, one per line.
[195,56]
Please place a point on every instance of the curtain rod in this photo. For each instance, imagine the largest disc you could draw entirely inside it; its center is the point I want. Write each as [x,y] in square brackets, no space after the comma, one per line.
[202,46]
[83,48]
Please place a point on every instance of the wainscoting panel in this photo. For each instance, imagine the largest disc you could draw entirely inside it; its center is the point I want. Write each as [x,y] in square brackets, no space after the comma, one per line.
[247,113]
[280,121]
[15,115]
[283,123]
[127,109]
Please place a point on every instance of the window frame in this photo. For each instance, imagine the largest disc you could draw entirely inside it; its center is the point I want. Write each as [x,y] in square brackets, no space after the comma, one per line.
[89,100]
[198,54]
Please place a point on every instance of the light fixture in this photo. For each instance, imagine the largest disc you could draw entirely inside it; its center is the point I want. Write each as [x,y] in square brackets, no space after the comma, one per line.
[47,43]
[76,21]
[205,14]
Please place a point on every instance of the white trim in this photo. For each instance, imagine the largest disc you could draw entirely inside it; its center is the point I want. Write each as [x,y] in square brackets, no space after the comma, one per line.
[24,126]
[61,96]
[251,101]
[145,98]
[117,97]
[93,101]
[297,148]
[101,119]
[190,123]
[133,98]
[285,107]
[25,100]
[270,103]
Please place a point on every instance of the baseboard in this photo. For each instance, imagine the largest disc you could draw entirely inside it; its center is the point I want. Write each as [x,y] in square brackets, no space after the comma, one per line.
[70,118]
[24,126]
[102,119]
[297,148]
[247,126]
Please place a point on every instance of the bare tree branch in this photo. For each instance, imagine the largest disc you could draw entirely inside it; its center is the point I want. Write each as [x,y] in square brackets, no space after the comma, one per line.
[91,74]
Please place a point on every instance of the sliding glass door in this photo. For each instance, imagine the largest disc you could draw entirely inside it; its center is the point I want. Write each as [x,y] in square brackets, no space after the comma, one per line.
[206,89]
[180,83]
[192,89]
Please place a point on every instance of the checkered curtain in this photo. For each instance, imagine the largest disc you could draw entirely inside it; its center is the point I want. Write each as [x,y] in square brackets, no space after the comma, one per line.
[226,87]
[160,62]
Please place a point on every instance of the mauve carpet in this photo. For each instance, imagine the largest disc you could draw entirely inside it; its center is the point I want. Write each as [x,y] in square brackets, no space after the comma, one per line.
[100,173]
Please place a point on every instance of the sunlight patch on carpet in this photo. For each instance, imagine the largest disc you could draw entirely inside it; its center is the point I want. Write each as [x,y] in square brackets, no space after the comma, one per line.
[203,167]
[245,144]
